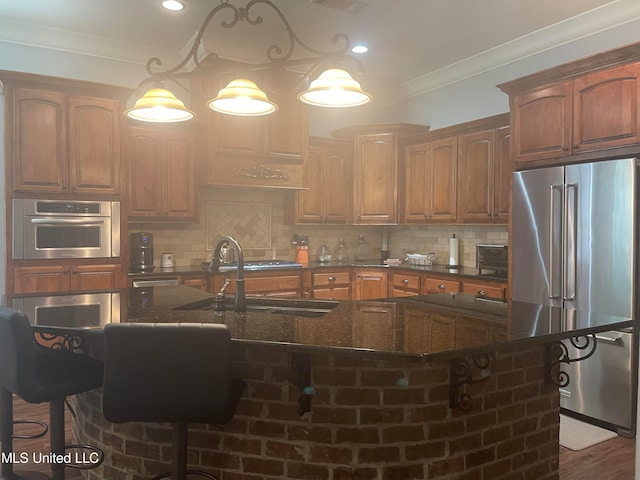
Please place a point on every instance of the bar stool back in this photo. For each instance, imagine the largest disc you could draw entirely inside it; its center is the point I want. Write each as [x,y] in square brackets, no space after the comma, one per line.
[175,373]
[39,374]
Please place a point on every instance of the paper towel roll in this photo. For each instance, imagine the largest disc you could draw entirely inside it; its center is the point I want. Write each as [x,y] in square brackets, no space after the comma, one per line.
[453,251]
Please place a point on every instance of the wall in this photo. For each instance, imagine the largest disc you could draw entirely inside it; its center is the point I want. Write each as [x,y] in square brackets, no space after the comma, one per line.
[256,218]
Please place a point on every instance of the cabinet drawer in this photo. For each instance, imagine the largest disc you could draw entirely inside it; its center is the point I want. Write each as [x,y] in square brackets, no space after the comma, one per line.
[330,278]
[437,285]
[484,290]
[338,293]
[270,284]
[403,281]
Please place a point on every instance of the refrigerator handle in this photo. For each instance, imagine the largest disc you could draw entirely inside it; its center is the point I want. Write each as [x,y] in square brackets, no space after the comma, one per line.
[552,226]
[569,236]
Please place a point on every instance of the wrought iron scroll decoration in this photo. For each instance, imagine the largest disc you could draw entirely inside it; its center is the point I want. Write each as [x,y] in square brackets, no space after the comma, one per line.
[558,353]
[276,55]
[73,343]
[461,376]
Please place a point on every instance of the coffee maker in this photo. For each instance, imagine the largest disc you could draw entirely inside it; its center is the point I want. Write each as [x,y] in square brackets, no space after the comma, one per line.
[141,252]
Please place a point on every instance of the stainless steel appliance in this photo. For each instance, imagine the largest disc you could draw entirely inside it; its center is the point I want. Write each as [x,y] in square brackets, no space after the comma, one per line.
[574,245]
[140,252]
[65,229]
[83,309]
[492,257]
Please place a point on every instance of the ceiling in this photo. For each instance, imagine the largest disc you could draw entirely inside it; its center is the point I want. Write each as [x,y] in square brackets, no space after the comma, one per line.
[415,45]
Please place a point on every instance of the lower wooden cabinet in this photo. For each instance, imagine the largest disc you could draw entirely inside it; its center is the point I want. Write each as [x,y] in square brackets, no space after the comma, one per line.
[485,290]
[331,285]
[405,284]
[375,326]
[63,277]
[370,284]
[440,285]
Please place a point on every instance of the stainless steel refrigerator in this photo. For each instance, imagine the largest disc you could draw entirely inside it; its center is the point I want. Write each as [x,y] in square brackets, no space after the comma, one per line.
[574,245]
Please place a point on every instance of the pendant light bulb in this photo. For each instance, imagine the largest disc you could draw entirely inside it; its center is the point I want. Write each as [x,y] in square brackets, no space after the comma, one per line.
[242,97]
[159,105]
[335,88]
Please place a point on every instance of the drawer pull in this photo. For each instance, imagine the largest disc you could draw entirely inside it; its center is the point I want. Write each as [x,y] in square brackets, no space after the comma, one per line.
[405,281]
[441,286]
[482,293]
[332,279]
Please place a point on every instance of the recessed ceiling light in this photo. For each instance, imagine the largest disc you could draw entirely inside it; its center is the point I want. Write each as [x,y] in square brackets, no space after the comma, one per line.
[360,49]
[174,5]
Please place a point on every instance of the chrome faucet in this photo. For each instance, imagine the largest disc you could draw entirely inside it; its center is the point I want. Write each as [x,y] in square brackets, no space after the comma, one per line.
[240,305]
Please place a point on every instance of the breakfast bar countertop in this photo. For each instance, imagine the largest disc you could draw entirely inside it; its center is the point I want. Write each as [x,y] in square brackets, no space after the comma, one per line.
[419,328]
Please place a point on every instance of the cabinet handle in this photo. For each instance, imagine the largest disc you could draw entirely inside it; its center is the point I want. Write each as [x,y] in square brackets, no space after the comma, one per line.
[441,286]
[405,281]
[332,279]
[482,293]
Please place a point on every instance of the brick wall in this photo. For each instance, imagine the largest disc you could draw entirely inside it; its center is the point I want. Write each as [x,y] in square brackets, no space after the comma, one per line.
[369,420]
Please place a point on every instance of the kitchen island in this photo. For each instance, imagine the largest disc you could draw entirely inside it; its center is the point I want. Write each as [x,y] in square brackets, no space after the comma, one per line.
[437,386]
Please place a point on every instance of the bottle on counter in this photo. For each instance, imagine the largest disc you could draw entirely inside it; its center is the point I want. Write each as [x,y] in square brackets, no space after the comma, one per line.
[363,249]
[324,254]
[342,252]
[385,247]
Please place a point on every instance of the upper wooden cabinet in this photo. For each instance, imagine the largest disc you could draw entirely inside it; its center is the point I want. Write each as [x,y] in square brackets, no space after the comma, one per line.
[458,174]
[63,143]
[430,182]
[264,151]
[484,176]
[161,174]
[375,170]
[580,107]
[327,178]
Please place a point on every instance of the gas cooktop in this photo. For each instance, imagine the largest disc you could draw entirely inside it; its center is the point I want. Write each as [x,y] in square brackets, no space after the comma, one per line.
[257,265]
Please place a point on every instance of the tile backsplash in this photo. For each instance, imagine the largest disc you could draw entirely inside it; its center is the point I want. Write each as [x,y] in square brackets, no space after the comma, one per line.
[256,219]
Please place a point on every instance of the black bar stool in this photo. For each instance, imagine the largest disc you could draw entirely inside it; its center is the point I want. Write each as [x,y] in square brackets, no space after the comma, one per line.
[39,374]
[174,373]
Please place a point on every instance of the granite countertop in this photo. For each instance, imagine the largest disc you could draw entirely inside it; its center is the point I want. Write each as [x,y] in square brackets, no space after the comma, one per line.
[399,328]
[436,269]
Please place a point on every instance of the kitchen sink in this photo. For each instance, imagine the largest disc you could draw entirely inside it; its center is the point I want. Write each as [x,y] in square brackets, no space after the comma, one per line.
[293,307]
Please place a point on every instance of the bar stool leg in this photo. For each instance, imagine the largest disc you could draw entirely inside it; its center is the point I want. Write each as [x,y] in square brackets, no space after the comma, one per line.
[57,435]
[6,430]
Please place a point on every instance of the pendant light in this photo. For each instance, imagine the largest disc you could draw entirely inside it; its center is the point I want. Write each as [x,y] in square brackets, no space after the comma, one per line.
[335,88]
[161,106]
[242,97]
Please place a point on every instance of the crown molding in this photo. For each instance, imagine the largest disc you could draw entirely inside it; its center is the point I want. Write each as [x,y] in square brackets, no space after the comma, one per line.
[606,17]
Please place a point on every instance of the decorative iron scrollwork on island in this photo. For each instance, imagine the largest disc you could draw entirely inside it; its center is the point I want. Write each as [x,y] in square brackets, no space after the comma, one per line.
[461,375]
[558,353]
[73,343]
[261,172]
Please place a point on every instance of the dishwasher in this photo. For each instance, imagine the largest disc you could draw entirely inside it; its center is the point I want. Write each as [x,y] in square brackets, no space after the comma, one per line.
[157,282]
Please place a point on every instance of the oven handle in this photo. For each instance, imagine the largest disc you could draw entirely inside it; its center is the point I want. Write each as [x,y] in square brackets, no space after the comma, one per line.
[59,221]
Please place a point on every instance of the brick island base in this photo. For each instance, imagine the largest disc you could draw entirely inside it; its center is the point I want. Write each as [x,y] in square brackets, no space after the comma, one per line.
[369,420]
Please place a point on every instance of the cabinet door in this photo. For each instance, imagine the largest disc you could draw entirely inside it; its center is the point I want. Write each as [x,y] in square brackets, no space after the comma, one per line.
[94,145]
[416,182]
[144,173]
[39,141]
[179,193]
[310,202]
[375,175]
[374,327]
[605,106]
[287,129]
[370,285]
[541,122]
[442,186]
[502,175]
[41,279]
[476,176]
[196,282]
[337,182]
[95,277]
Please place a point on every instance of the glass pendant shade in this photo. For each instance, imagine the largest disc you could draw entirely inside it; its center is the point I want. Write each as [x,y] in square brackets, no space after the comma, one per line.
[242,97]
[159,105]
[335,88]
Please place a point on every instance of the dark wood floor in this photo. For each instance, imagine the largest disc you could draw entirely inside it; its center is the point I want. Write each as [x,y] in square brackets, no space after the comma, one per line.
[610,460]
